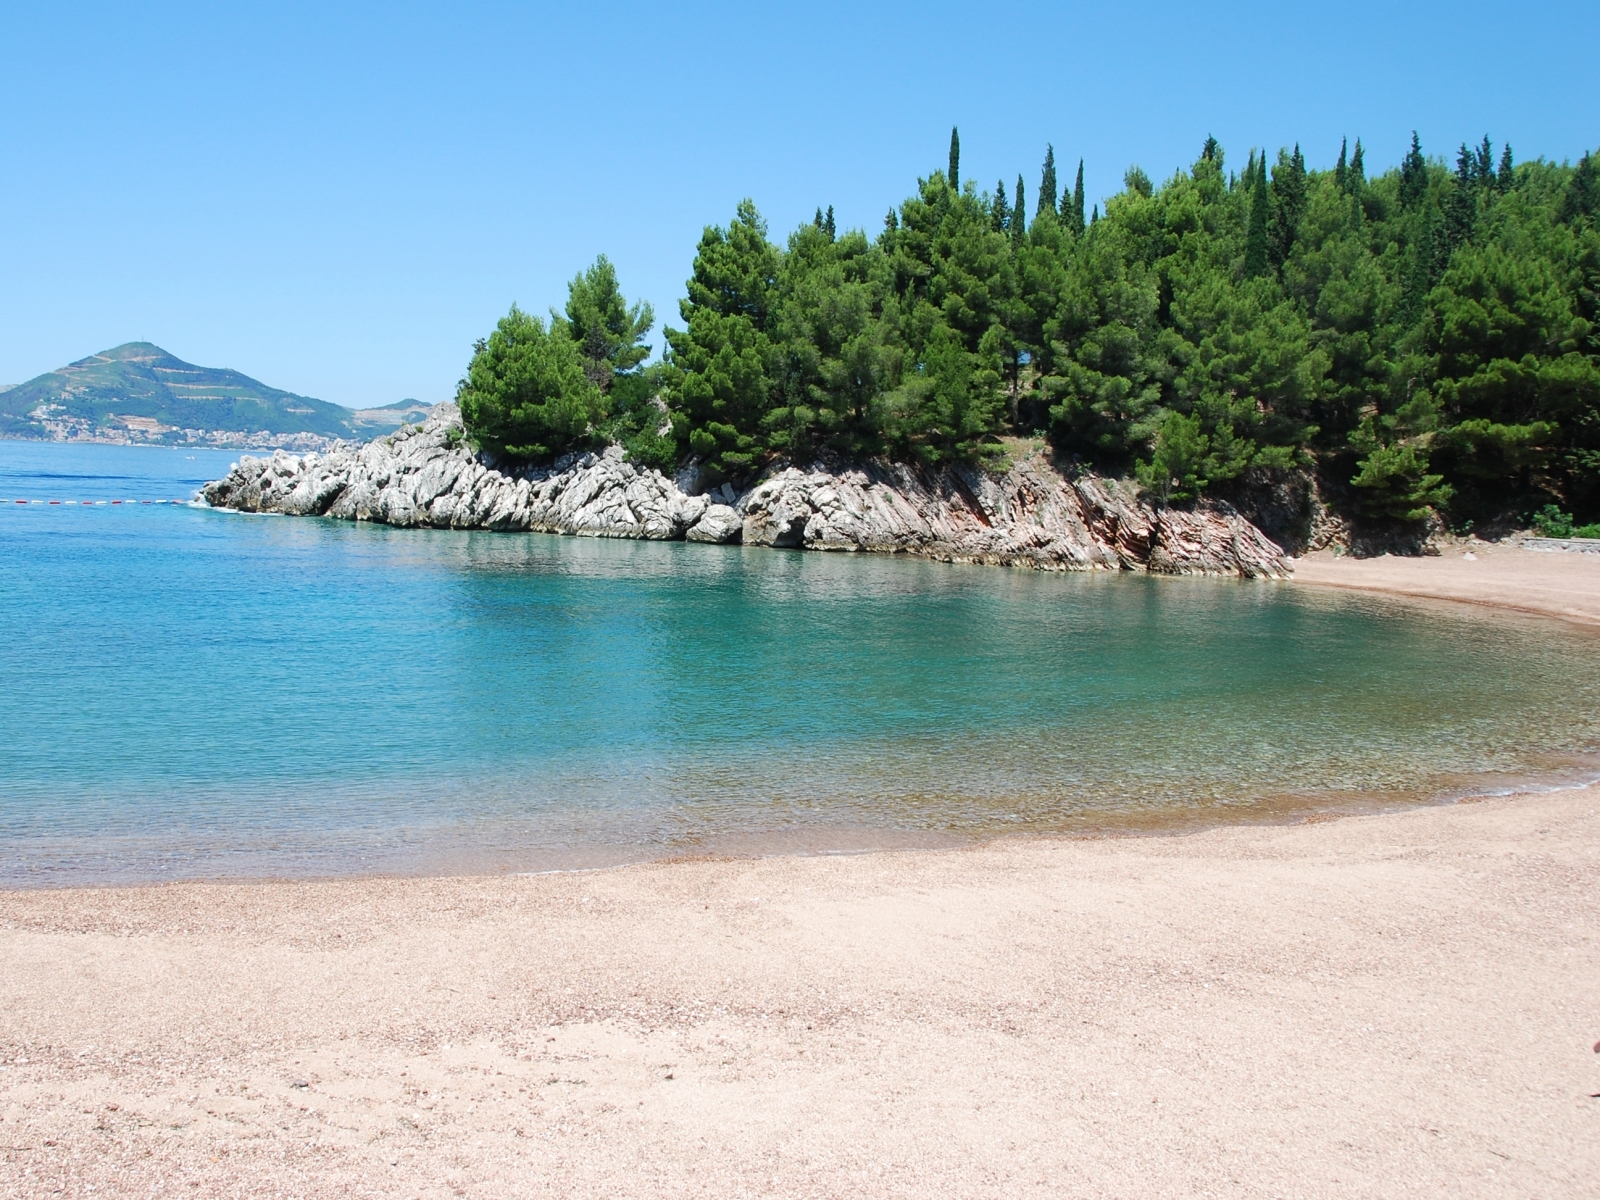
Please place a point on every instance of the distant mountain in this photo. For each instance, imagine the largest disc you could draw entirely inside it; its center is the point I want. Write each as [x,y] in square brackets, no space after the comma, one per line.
[140,393]
[389,417]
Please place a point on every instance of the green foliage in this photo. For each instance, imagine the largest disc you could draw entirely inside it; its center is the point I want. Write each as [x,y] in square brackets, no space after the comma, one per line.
[1413,175]
[1288,205]
[526,394]
[1257,242]
[836,342]
[1426,339]
[1073,217]
[609,334]
[1582,197]
[719,381]
[1550,521]
[1393,480]
[1177,459]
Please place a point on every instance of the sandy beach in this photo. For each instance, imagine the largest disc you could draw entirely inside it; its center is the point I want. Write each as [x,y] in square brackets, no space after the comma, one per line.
[1383,1005]
[1544,583]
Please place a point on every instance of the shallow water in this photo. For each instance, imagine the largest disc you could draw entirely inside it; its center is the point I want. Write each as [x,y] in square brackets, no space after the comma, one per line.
[195,693]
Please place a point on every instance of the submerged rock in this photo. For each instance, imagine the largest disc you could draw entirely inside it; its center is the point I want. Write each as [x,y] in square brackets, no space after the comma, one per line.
[1033,515]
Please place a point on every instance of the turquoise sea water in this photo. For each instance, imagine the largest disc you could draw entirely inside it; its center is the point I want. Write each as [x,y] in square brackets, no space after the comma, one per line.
[186,692]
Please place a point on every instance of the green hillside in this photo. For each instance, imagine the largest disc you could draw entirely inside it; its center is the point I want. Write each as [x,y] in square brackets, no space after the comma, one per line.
[97,396]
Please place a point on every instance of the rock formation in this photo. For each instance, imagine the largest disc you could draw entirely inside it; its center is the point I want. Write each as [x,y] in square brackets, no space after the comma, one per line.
[1031,516]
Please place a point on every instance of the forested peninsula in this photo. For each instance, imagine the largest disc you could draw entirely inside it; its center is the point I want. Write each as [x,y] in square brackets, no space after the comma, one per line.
[1415,347]
[1327,359]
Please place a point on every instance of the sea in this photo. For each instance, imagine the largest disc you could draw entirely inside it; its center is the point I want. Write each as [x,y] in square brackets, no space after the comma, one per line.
[192,693]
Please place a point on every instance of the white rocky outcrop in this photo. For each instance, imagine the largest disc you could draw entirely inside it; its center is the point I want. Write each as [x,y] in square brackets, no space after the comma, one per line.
[1032,516]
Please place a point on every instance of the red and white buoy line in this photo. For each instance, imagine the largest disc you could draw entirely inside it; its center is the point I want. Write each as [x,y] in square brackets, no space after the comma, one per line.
[98,503]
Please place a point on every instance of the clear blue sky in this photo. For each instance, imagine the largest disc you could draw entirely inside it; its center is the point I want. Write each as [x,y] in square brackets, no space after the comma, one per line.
[338,199]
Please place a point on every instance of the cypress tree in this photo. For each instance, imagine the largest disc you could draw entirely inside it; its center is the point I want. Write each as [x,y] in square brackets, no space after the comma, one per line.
[1413,175]
[1358,172]
[1288,203]
[827,224]
[817,220]
[1506,178]
[999,213]
[1211,150]
[1461,201]
[1583,191]
[1094,218]
[1047,182]
[1256,235]
[1341,169]
[955,159]
[1483,164]
[1075,214]
[1019,223]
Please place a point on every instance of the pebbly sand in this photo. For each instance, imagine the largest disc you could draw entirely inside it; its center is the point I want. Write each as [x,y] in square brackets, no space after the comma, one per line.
[1397,1004]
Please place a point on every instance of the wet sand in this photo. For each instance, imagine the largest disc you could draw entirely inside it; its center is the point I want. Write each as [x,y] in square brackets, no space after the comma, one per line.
[1385,1005]
[1546,583]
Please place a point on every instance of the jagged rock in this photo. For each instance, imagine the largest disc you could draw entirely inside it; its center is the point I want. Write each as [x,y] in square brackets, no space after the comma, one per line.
[721,524]
[1033,515]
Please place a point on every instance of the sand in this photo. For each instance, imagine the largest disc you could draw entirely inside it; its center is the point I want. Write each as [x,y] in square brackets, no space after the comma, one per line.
[1385,1005]
[1400,1004]
[1548,583]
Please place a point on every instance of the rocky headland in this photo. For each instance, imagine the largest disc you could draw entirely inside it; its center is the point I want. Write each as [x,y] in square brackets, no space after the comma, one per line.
[1032,516]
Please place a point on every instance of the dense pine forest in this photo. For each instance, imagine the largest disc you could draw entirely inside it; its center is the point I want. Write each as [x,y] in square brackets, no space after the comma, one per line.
[1418,342]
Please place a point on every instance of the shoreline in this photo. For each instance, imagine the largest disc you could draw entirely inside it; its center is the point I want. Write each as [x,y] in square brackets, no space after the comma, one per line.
[1341,1007]
[1504,578]
[1333,1004]
[1564,773]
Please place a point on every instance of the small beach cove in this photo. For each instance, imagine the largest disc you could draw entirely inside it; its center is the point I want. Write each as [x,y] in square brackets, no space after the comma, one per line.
[214,695]
[1404,996]
[201,694]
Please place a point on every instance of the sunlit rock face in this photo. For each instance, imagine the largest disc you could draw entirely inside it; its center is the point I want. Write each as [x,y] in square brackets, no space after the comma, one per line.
[1033,515]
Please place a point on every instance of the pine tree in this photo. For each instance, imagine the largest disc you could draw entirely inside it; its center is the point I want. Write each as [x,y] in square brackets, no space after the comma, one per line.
[999,213]
[1075,213]
[817,220]
[955,159]
[1506,179]
[1413,175]
[1047,182]
[1483,164]
[1212,149]
[1341,169]
[1417,273]
[1256,241]
[828,225]
[1019,224]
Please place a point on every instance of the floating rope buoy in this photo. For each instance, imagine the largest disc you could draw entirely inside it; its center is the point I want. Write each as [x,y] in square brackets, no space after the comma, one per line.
[95,503]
